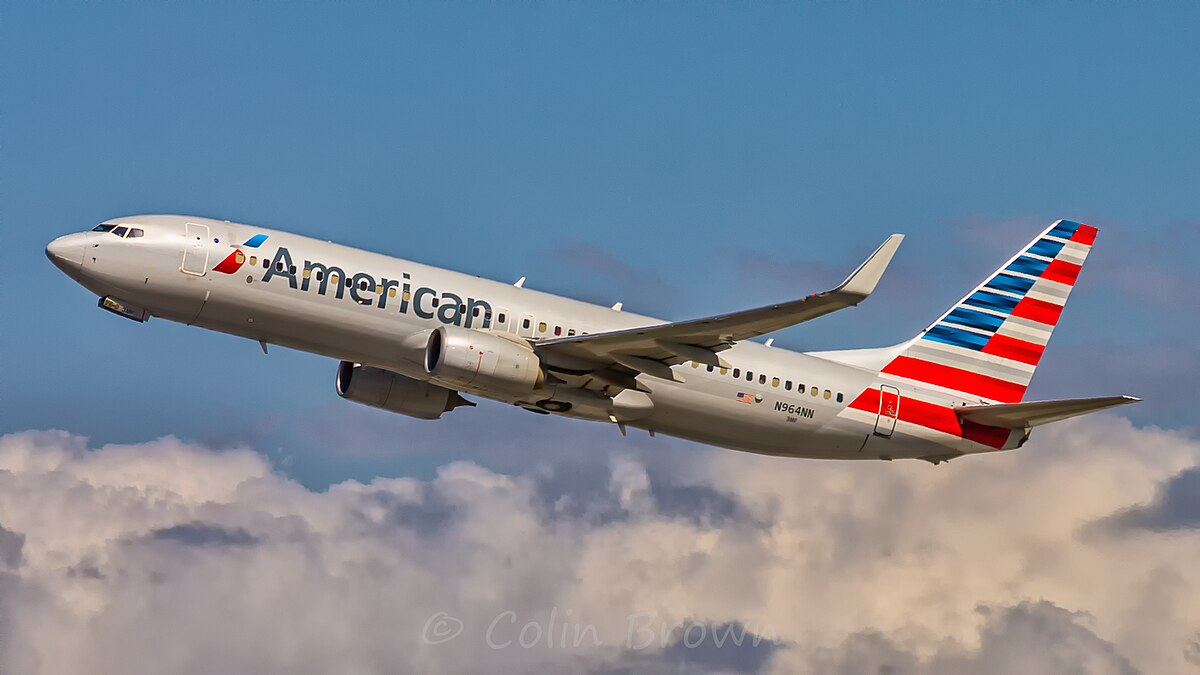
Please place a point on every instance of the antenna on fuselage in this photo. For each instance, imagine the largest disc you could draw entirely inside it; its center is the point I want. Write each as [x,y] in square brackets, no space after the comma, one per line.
[520,283]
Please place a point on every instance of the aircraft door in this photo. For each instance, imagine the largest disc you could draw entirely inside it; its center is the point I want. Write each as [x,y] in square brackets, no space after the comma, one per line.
[195,249]
[889,410]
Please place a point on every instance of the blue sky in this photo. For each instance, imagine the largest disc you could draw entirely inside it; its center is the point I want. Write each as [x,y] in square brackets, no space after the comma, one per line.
[683,159]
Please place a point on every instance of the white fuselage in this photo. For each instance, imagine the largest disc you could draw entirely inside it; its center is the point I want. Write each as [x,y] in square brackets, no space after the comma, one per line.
[283,292]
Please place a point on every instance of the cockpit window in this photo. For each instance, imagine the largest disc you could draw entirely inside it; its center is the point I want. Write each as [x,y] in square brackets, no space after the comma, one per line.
[103,228]
[135,232]
[120,231]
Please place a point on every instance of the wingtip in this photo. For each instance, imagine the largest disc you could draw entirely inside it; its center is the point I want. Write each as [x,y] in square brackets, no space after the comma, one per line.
[864,279]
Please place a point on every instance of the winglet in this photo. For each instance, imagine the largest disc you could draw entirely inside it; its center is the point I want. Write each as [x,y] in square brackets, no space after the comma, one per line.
[864,279]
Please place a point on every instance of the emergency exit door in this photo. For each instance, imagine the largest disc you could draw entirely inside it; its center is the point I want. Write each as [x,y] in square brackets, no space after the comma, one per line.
[889,410]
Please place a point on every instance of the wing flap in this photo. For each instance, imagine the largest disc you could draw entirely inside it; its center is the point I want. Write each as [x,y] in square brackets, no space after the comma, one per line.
[1034,413]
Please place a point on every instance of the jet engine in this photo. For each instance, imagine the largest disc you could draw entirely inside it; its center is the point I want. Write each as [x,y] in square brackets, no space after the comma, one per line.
[498,362]
[384,389]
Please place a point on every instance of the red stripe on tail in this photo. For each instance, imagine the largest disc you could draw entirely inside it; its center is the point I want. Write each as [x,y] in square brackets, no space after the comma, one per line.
[956,379]
[1012,348]
[1037,310]
[1062,271]
[1086,234]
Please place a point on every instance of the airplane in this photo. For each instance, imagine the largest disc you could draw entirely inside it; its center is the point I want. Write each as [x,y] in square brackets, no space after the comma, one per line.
[417,340]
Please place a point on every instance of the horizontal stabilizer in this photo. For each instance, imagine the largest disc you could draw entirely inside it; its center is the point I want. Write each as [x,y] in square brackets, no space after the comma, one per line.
[1033,413]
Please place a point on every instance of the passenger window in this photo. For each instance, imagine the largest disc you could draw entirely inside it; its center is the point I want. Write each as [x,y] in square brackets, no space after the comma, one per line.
[307,272]
[435,301]
[407,296]
[292,269]
[737,373]
[320,274]
[813,391]
[762,379]
[525,324]
[500,318]
[774,381]
[266,264]
[102,228]
[362,285]
[558,330]
[828,394]
[392,292]
[749,376]
[120,231]
[571,332]
[254,263]
[839,397]
[541,326]
[136,232]
[279,267]
[710,369]
[724,370]
[788,385]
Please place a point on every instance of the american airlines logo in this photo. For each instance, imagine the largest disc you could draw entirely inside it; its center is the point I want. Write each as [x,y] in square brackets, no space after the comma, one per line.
[235,260]
[365,289]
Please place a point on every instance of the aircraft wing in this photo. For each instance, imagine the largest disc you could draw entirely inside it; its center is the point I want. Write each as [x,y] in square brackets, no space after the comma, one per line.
[651,349]
[1033,413]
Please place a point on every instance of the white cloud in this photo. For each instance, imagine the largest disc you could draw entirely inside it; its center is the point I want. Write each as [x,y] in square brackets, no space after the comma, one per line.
[170,557]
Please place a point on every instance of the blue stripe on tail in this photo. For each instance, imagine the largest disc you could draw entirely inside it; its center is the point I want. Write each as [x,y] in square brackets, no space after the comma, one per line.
[956,336]
[1045,247]
[1064,229]
[994,301]
[1027,265]
[974,319]
[1007,282]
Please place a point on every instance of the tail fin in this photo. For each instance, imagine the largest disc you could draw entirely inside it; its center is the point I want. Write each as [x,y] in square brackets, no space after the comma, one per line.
[989,343]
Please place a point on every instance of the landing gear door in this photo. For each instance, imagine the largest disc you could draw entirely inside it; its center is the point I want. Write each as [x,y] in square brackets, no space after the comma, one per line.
[195,250]
[889,410]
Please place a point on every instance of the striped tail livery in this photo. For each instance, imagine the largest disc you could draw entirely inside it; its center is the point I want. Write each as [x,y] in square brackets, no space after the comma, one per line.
[987,345]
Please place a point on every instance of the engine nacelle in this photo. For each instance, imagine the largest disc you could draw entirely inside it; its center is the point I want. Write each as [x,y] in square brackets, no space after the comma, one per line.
[461,357]
[384,389]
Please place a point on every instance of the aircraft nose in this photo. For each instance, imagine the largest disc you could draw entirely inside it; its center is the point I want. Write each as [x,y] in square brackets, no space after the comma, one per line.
[66,252]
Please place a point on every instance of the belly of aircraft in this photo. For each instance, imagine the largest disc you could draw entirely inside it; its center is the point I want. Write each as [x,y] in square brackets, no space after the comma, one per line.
[717,418]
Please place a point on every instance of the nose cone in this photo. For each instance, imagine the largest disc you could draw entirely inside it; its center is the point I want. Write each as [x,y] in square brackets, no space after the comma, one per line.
[67,252]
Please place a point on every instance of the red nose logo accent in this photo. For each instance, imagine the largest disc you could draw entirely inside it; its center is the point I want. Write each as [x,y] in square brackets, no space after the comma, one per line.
[231,264]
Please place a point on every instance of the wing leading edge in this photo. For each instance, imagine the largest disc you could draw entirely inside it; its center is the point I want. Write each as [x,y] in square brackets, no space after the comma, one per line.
[648,349]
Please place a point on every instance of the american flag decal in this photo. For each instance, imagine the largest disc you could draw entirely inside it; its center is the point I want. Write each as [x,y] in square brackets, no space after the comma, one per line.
[744,398]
